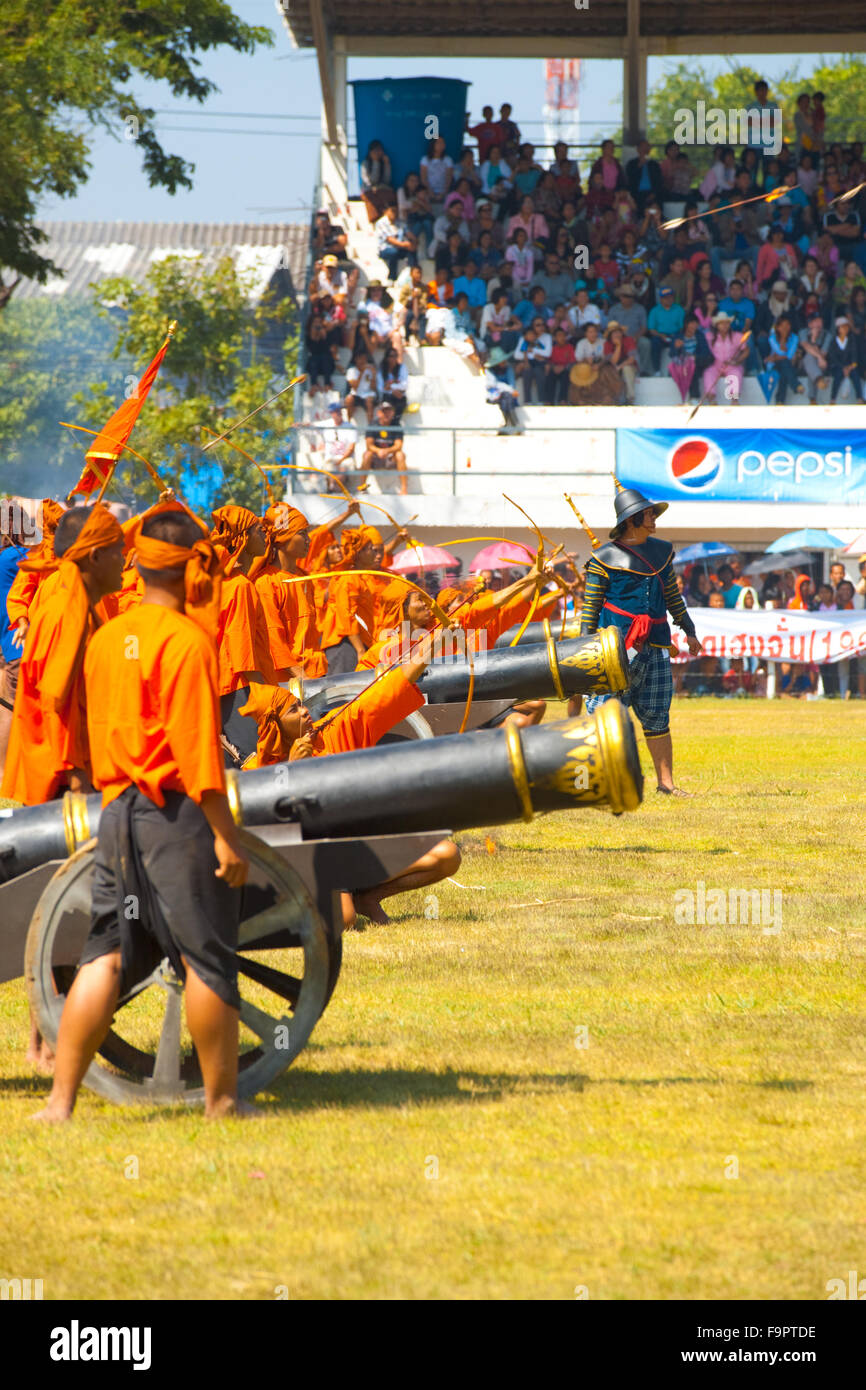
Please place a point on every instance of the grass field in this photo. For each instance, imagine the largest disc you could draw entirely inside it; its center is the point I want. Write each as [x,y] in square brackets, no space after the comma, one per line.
[521,1101]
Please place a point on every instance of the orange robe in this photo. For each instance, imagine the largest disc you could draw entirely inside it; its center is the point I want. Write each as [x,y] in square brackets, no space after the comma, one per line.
[46,741]
[351,610]
[154,720]
[290,615]
[22,592]
[242,634]
[131,591]
[358,725]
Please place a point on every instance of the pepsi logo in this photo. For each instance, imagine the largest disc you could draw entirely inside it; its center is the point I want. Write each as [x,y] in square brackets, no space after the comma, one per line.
[695,464]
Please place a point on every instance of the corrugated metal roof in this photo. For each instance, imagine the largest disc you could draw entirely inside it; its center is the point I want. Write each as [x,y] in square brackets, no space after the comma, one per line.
[92,251]
[559,19]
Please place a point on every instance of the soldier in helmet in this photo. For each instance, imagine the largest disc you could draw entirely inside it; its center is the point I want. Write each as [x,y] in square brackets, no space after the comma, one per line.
[631,584]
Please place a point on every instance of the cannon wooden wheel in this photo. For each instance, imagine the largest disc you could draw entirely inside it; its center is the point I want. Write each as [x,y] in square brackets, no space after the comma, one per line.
[148,1056]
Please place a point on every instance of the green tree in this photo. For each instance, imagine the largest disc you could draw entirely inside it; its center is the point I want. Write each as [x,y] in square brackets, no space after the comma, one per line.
[843,84]
[231,351]
[76,361]
[68,67]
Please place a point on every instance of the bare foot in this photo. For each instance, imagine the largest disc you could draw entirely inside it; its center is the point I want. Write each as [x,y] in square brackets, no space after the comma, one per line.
[369,906]
[51,1115]
[227,1106]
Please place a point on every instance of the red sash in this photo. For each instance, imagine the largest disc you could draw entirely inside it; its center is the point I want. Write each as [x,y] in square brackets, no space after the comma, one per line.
[640,627]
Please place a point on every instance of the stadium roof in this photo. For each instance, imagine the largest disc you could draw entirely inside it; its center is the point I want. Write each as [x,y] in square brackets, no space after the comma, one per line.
[664,26]
[93,251]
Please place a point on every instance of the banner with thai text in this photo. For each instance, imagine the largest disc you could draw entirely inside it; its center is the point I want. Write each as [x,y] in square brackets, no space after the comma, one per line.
[783,634]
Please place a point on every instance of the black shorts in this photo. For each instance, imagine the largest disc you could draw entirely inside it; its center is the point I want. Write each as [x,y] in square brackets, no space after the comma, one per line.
[341,658]
[167,901]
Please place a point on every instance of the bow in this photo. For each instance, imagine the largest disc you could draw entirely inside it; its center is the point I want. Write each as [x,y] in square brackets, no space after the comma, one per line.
[297,380]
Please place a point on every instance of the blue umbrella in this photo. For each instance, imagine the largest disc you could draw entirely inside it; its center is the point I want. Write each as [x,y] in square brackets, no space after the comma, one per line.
[769,379]
[703,550]
[807,539]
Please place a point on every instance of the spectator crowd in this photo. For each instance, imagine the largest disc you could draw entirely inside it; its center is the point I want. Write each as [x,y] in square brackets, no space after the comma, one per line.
[728,587]
[564,285]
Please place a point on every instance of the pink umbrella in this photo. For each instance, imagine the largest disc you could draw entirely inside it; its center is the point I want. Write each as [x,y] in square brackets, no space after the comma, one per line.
[682,370]
[423,557]
[500,556]
[857,546]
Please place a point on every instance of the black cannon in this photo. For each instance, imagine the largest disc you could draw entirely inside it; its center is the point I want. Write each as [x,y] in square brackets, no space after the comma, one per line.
[594,664]
[345,822]
[549,629]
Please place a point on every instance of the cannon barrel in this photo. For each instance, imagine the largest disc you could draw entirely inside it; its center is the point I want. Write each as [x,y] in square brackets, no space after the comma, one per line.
[543,632]
[591,665]
[489,777]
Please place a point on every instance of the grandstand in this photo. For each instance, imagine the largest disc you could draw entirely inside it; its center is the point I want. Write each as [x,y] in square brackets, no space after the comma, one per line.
[455,454]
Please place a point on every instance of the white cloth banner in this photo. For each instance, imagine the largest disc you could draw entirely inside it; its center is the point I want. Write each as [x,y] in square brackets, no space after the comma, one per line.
[777,634]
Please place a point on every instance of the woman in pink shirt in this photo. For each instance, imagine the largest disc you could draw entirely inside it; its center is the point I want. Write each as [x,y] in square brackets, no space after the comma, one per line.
[777,259]
[725,347]
[610,168]
[521,258]
[532,222]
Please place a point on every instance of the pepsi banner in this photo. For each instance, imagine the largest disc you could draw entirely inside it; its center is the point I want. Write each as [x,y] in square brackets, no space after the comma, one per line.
[764,465]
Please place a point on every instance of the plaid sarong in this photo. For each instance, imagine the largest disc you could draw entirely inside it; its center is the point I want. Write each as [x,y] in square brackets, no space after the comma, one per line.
[650,690]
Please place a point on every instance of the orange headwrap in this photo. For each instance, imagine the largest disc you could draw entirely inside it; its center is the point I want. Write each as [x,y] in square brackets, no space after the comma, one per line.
[232,525]
[202,569]
[391,601]
[100,530]
[266,704]
[446,597]
[371,535]
[40,557]
[285,522]
[798,601]
[353,539]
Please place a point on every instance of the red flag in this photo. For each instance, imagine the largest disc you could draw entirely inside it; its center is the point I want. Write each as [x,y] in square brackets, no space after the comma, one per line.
[101,458]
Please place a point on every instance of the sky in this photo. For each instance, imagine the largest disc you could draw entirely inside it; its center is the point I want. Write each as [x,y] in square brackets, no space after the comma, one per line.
[255,142]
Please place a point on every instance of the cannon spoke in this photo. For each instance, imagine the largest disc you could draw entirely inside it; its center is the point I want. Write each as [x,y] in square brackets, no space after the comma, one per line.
[260,1023]
[166,1071]
[286,986]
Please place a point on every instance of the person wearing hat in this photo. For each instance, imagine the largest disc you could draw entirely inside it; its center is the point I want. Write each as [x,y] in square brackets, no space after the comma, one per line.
[620,353]
[500,388]
[632,315]
[665,322]
[728,352]
[631,585]
[843,361]
[330,280]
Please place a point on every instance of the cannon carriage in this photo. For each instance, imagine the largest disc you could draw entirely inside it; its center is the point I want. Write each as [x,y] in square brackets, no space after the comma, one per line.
[312,829]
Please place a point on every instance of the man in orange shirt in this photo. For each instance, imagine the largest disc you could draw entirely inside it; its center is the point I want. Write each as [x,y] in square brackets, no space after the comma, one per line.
[243,646]
[166,835]
[48,748]
[290,610]
[32,570]
[350,618]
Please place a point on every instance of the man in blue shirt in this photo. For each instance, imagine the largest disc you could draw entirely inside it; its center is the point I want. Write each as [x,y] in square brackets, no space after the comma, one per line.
[471,284]
[530,308]
[664,323]
[742,312]
[10,654]
[729,591]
